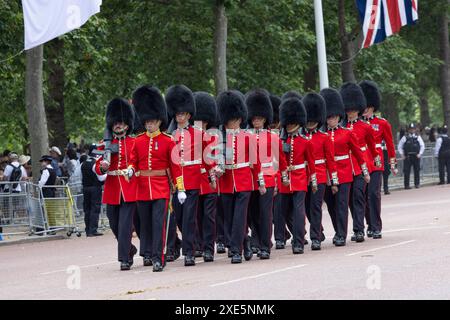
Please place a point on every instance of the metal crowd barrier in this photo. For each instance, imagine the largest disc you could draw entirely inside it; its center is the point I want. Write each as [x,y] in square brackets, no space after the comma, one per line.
[13,207]
[24,209]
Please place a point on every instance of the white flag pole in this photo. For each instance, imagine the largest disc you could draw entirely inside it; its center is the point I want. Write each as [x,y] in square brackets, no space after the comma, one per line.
[321,48]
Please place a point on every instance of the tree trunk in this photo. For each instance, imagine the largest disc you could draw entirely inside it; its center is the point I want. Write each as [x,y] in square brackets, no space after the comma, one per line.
[390,111]
[55,106]
[37,123]
[310,78]
[346,47]
[444,68]
[220,47]
[424,107]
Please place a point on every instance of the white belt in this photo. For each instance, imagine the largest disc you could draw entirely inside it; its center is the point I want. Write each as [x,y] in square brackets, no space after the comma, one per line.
[237,166]
[319,161]
[363,148]
[339,158]
[297,167]
[202,170]
[190,163]
[378,145]
[266,165]
[115,173]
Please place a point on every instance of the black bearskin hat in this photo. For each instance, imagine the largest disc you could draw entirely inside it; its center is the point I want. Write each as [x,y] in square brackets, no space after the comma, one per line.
[315,108]
[333,102]
[291,94]
[180,98]
[276,101]
[119,110]
[149,105]
[206,109]
[371,93]
[259,105]
[231,105]
[353,97]
[292,111]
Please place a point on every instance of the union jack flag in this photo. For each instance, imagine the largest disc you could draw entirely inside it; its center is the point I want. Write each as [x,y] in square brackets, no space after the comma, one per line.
[383,18]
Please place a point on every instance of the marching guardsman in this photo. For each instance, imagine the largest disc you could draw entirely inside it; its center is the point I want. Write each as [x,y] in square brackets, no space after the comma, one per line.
[119,191]
[278,218]
[152,164]
[345,146]
[298,149]
[383,132]
[206,114]
[189,154]
[355,104]
[281,225]
[271,156]
[240,163]
[323,153]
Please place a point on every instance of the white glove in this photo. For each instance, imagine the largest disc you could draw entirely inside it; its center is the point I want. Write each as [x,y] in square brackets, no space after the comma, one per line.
[181,196]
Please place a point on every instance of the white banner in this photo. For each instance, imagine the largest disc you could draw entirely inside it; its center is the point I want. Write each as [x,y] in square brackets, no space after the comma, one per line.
[48,19]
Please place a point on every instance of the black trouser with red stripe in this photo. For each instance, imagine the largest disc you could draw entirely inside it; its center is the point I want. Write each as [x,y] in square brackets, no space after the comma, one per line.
[373,202]
[153,224]
[260,210]
[281,219]
[358,203]
[313,205]
[206,222]
[235,206]
[121,223]
[186,215]
[337,205]
[220,236]
[293,206]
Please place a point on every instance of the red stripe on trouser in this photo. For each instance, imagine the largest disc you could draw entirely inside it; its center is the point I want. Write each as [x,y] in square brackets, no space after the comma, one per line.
[164,233]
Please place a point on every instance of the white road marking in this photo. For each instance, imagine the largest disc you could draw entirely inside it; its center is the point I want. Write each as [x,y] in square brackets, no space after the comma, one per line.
[256,276]
[414,204]
[82,267]
[415,229]
[380,248]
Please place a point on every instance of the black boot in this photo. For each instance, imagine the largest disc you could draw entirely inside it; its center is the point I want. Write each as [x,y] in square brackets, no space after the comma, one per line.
[189,261]
[279,245]
[264,255]
[297,250]
[147,262]
[315,245]
[359,237]
[248,253]
[125,266]
[208,256]
[157,267]
[133,252]
[220,248]
[236,258]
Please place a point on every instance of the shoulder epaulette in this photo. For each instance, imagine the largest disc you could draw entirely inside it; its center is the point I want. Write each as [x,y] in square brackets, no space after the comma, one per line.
[167,134]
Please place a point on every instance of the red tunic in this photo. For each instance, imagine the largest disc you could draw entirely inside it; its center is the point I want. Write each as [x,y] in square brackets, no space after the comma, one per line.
[345,145]
[209,152]
[300,150]
[271,157]
[189,154]
[365,139]
[383,131]
[323,153]
[241,162]
[153,152]
[116,187]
